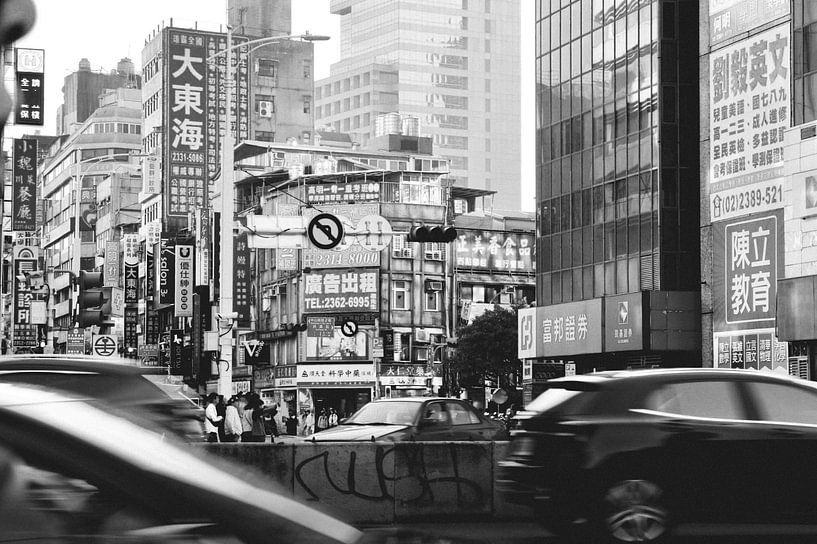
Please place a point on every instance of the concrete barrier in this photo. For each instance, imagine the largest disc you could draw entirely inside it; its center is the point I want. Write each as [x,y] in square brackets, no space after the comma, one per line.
[383,482]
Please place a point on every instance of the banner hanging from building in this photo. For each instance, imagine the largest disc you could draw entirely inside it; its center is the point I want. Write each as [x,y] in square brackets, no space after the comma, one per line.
[25,263]
[242,280]
[756,349]
[29,68]
[87,209]
[184,281]
[204,243]
[130,336]
[111,276]
[24,185]
[749,112]
[747,262]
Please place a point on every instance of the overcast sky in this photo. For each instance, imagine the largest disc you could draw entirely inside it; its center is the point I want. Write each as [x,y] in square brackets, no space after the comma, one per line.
[105,31]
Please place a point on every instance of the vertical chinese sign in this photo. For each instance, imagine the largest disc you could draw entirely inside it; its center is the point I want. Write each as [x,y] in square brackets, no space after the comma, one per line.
[24,185]
[242,280]
[130,244]
[747,262]
[183,302]
[750,107]
[25,262]
[186,109]
[29,71]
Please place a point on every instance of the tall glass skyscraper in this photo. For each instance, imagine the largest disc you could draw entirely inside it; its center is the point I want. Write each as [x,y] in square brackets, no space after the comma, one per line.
[451,66]
[618,175]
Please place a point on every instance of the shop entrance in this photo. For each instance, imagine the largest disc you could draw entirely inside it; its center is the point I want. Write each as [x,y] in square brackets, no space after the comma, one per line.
[345,401]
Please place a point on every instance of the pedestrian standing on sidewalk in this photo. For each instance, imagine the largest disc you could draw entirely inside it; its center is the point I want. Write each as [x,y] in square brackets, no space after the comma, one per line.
[308,422]
[323,420]
[333,418]
[211,418]
[232,421]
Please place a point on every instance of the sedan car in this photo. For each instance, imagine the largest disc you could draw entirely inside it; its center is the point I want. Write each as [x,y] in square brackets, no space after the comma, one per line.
[414,418]
[117,383]
[634,454]
[72,472]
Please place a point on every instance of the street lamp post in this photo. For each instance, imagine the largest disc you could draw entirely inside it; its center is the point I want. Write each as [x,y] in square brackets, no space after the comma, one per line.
[227,208]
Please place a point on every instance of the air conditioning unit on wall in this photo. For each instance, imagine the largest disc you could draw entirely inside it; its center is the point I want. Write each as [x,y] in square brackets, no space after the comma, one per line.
[265,108]
[421,335]
[434,285]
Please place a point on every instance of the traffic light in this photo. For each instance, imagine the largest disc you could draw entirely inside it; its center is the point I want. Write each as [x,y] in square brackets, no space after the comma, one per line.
[91,299]
[436,233]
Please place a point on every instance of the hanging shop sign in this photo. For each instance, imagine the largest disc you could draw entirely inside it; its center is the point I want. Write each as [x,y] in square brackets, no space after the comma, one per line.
[24,185]
[183,302]
[730,18]
[29,68]
[242,280]
[335,374]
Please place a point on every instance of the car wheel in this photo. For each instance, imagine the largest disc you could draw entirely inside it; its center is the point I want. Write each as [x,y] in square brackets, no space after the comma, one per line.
[634,511]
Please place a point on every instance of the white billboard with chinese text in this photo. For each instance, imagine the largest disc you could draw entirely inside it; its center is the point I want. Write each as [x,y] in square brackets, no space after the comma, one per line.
[747,263]
[749,109]
[568,329]
[341,291]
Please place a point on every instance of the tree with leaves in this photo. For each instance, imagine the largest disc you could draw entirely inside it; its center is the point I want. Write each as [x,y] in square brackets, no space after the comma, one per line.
[487,349]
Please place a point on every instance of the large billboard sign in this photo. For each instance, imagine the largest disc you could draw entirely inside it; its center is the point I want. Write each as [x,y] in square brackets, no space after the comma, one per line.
[348,192]
[750,100]
[194,108]
[747,262]
[24,185]
[491,250]
[561,329]
[729,18]
[342,291]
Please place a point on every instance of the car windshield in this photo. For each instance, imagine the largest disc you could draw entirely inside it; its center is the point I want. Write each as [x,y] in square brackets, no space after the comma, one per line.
[393,413]
[567,398]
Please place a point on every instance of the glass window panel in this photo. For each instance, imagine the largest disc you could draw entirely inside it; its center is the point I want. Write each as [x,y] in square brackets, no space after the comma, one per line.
[577,284]
[646,233]
[598,164]
[587,167]
[621,118]
[556,176]
[587,17]
[621,276]
[609,241]
[575,58]
[632,153]
[598,48]
[575,20]
[633,235]
[587,282]
[645,35]
[620,38]
[587,245]
[565,26]
[609,159]
[556,287]
[576,203]
[567,286]
[609,202]
[810,48]
[598,280]
[598,204]
[566,175]
[598,243]
[633,275]
[556,252]
[610,278]
[545,295]
[555,31]
[564,73]
[621,237]
[566,209]
[621,157]
[576,247]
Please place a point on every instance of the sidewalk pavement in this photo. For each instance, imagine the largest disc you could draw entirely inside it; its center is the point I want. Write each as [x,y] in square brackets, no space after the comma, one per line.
[491,531]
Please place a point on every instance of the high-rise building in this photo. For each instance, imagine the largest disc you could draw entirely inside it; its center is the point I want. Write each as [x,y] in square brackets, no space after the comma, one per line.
[453,65]
[617,190]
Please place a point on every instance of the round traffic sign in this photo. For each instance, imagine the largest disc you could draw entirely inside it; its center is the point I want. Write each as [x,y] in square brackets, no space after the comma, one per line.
[325,231]
[374,232]
[349,328]
[104,346]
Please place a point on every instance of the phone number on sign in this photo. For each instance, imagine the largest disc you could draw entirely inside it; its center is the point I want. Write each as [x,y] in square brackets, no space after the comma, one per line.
[339,303]
[752,198]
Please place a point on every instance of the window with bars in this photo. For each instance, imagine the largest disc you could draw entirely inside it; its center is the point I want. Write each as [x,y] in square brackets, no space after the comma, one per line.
[433,251]
[400,247]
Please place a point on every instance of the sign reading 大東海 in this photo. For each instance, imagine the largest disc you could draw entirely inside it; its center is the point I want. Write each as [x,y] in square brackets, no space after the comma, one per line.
[728,18]
[193,99]
[341,291]
[494,250]
[750,109]
[747,261]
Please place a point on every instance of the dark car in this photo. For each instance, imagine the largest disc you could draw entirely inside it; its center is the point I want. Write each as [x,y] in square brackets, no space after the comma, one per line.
[117,383]
[414,418]
[632,455]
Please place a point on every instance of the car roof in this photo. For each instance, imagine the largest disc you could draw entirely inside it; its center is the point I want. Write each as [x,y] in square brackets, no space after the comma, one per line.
[78,363]
[660,374]
[414,399]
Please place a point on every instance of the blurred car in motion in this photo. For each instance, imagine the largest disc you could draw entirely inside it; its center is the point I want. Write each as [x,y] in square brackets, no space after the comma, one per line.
[414,418]
[629,455]
[72,472]
[116,383]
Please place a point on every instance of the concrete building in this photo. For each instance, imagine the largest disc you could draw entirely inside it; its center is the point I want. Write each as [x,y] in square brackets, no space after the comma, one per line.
[453,66]
[617,276]
[81,91]
[88,185]
[405,298]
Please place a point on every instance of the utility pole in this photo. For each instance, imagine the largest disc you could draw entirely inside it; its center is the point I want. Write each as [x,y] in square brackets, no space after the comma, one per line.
[225,304]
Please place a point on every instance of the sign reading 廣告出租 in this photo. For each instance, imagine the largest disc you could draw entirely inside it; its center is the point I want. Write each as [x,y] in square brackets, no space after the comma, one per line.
[330,291]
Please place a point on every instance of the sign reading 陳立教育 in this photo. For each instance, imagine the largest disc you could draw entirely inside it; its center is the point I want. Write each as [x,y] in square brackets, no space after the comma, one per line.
[624,322]
[29,68]
[729,18]
[341,291]
[183,304]
[493,250]
[24,185]
[747,262]
[750,109]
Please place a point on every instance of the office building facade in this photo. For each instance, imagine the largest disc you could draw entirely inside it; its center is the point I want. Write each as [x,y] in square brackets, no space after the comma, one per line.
[454,65]
[617,186]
